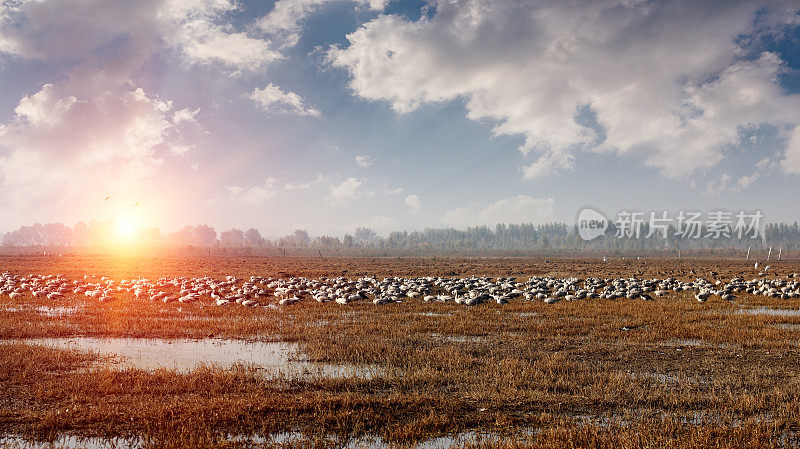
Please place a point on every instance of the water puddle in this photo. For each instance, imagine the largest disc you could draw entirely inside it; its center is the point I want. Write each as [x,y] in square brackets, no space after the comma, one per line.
[460,338]
[586,419]
[49,311]
[788,326]
[700,344]
[462,439]
[687,342]
[365,442]
[67,442]
[431,314]
[443,442]
[667,379]
[768,311]
[270,358]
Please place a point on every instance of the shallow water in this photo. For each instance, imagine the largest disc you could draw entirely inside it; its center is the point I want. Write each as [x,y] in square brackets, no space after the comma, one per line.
[183,355]
[700,344]
[366,442]
[51,311]
[686,342]
[67,442]
[769,311]
[460,338]
[667,379]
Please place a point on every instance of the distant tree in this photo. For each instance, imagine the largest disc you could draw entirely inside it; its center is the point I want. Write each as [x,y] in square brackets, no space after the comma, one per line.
[232,237]
[327,242]
[50,234]
[57,234]
[253,238]
[181,237]
[205,235]
[365,235]
[9,238]
[545,242]
[301,237]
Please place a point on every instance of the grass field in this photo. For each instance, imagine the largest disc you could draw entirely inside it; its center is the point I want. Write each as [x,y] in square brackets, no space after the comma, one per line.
[524,374]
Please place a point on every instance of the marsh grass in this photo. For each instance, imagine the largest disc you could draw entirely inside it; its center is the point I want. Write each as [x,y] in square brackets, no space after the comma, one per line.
[528,374]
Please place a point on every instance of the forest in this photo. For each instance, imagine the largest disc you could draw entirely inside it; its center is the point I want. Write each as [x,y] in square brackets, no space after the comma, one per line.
[512,238]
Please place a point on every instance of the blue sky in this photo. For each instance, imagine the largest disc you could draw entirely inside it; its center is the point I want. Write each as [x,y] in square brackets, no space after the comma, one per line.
[327,115]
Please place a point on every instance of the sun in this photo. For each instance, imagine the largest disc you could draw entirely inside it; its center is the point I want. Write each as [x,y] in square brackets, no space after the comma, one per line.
[127,227]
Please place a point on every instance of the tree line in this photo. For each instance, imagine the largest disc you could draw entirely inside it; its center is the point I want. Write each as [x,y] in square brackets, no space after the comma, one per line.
[501,238]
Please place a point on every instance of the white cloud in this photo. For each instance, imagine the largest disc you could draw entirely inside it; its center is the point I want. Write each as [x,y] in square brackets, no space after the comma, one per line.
[198,29]
[255,195]
[413,202]
[763,167]
[284,21]
[180,150]
[724,183]
[517,209]
[380,223]
[7,45]
[349,189]
[93,130]
[63,146]
[364,161]
[396,191]
[274,99]
[745,182]
[791,161]
[185,116]
[541,69]
[717,186]
[204,43]
[302,186]
[258,195]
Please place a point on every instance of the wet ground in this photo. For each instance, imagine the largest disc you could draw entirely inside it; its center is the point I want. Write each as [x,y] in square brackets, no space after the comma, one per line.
[270,359]
[424,375]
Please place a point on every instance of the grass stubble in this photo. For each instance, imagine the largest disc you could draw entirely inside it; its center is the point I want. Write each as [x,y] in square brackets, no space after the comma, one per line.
[534,375]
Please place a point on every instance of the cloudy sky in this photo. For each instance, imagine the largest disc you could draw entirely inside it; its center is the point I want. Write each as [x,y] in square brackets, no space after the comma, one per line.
[327,115]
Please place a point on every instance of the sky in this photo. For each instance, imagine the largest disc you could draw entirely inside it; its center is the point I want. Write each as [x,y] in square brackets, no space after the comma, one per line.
[327,115]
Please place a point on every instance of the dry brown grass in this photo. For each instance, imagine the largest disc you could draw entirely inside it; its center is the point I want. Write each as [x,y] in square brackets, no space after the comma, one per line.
[534,375]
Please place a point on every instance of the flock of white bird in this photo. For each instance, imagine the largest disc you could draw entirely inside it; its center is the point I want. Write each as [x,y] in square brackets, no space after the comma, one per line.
[471,291]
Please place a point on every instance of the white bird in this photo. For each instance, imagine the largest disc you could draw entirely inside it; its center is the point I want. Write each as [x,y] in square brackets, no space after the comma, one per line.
[289,301]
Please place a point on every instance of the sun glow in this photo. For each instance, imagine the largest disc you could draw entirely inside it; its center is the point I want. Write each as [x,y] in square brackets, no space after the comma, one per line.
[129,228]
[128,236]
[126,228]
